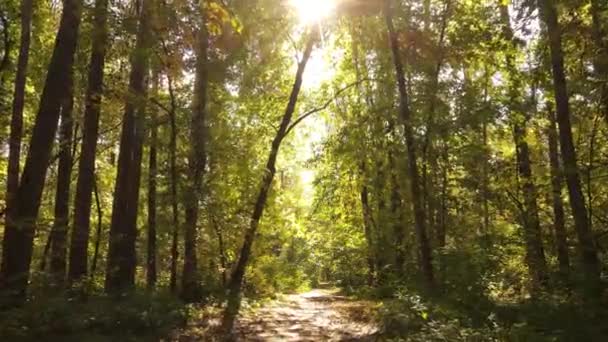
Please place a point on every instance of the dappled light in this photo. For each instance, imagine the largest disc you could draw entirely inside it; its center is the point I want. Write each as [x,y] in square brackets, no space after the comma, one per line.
[303,170]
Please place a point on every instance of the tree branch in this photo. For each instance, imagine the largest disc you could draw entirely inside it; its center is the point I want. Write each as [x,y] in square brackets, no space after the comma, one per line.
[323,106]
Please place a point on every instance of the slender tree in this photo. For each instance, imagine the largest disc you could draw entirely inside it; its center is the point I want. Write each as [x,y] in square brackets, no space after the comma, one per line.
[197,161]
[59,230]
[587,248]
[236,279]
[535,255]
[19,234]
[559,224]
[425,257]
[86,165]
[120,272]
[14,154]
[151,273]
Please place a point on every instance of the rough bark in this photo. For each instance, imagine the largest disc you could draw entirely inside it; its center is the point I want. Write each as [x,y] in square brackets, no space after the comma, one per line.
[559,222]
[535,255]
[120,273]
[59,231]
[86,166]
[14,154]
[19,234]
[586,245]
[425,257]
[197,162]
[236,279]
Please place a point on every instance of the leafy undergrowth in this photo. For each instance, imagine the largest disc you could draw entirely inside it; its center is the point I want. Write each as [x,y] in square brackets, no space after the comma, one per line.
[138,317]
[411,317]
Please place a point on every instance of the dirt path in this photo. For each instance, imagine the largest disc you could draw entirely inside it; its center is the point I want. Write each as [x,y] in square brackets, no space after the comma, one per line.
[318,315]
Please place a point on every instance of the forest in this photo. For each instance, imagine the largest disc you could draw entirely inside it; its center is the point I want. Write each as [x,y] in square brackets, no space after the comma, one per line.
[304,170]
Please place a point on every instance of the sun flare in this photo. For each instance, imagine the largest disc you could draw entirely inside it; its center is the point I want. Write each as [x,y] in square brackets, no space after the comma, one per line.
[311,11]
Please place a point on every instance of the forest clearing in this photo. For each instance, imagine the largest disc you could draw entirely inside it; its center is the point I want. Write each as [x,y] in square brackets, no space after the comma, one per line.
[304,170]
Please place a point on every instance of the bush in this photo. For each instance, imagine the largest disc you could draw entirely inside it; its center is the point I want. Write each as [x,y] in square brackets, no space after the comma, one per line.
[138,317]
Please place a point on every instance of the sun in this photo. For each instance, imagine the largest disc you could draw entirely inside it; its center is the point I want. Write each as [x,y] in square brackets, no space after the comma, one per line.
[312,11]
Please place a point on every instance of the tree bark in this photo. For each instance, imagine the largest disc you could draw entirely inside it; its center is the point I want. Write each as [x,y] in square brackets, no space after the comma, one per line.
[19,234]
[86,166]
[236,279]
[425,257]
[197,163]
[120,273]
[59,230]
[535,255]
[559,223]
[174,180]
[152,174]
[586,245]
[14,154]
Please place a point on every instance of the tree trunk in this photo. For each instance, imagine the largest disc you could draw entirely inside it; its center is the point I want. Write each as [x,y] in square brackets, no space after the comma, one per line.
[559,223]
[367,225]
[174,180]
[396,216]
[598,16]
[98,232]
[14,154]
[19,234]
[197,163]
[587,248]
[236,279]
[152,174]
[86,166]
[535,255]
[120,273]
[425,257]
[59,230]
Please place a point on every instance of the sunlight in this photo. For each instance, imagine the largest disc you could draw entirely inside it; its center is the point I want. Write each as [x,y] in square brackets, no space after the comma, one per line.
[311,11]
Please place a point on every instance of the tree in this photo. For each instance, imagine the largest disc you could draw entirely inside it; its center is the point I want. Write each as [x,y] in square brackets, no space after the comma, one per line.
[86,165]
[236,278]
[12,177]
[197,161]
[586,244]
[535,254]
[120,273]
[19,233]
[59,231]
[425,258]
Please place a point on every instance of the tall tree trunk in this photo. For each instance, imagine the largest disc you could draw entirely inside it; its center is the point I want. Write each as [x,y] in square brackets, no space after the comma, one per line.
[120,273]
[14,154]
[599,14]
[19,234]
[197,163]
[425,257]
[587,248]
[59,230]
[367,226]
[152,174]
[396,216]
[535,255]
[559,223]
[174,180]
[86,166]
[236,279]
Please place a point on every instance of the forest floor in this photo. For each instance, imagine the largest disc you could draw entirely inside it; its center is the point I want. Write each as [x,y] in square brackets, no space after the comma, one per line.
[318,315]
